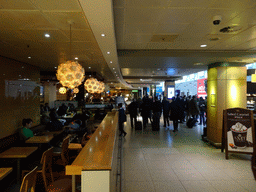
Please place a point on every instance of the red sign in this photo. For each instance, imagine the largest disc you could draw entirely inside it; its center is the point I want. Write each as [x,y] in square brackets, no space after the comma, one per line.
[201,92]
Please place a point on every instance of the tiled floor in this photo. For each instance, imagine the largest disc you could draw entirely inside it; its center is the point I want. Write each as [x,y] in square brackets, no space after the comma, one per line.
[165,161]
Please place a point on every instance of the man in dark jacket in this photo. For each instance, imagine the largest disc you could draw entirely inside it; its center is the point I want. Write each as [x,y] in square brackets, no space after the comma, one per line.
[166,109]
[157,110]
[121,119]
[145,109]
[133,111]
[175,113]
[202,108]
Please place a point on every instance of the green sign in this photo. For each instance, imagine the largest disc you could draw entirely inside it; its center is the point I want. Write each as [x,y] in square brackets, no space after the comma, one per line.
[135,91]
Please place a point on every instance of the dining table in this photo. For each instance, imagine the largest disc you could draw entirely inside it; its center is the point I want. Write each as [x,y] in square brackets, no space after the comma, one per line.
[4,171]
[18,153]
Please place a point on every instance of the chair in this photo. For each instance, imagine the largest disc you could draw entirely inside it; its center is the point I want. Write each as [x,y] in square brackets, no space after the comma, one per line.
[39,165]
[29,181]
[64,153]
[62,184]
[78,146]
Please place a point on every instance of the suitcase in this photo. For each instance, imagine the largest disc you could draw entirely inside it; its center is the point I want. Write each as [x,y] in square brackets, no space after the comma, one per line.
[191,123]
[138,125]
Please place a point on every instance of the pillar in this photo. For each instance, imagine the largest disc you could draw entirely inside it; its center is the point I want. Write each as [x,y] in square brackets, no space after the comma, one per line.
[226,88]
[50,94]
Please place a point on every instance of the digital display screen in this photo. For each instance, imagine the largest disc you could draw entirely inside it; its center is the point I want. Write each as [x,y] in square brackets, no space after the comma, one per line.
[170,92]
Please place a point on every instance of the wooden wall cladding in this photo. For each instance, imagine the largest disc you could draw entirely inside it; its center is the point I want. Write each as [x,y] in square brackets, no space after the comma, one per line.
[19,95]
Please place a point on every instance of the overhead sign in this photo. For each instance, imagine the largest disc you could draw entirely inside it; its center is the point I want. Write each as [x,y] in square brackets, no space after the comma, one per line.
[135,91]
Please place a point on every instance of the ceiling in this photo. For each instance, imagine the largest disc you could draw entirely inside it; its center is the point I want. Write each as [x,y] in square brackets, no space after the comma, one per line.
[148,40]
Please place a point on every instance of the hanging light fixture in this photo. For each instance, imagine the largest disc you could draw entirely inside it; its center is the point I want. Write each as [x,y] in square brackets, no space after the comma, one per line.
[101,87]
[76,90]
[71,73]
[62,90]
[91,85]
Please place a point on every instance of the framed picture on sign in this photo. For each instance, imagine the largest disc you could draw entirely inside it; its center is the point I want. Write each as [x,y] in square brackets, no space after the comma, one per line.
[238,131]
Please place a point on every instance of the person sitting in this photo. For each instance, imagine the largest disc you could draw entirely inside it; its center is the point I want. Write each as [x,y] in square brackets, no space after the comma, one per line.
[62,110]
[25,132]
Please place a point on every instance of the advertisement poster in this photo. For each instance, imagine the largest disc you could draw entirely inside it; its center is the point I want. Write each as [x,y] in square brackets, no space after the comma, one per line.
[239,128]
[201,92]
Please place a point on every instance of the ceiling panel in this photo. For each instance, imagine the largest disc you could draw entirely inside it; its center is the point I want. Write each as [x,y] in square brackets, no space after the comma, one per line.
[25,19]
[181,15]
[17,4]
[145,15]
[61,19]
[233,4]
[143,28]
[57,5]
[170,28]
[119,15]
[146,3]
[38,35]
[80,35]
[137,38]
[246,46]
[191,3]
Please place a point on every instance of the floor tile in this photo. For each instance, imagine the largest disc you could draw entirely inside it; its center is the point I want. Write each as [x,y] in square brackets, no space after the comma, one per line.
[227,186]
[188,174]
[138,186]
[163,175]
[162,186]
[198,186]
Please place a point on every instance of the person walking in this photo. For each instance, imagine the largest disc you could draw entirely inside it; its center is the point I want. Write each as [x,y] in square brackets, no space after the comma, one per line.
[193,107]
[133,111]
[166,109]
[145,109]
[121,119]
[175,113]
[202,108]
[157,110]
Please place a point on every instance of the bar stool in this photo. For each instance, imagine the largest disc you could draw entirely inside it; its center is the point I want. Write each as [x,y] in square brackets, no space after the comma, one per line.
[29,181]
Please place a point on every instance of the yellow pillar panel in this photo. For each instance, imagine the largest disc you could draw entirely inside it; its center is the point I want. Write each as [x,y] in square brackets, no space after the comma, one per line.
[226,89]
[211,109]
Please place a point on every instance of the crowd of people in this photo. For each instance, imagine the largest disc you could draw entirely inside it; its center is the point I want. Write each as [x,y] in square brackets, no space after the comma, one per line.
[178,109]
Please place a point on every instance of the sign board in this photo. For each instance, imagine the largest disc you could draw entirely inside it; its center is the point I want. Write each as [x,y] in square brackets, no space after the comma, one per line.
[135,91]
[170,92]
[201,92]
[238,134]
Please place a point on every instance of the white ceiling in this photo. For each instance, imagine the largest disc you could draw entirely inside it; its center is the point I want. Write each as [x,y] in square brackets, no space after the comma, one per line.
[150,39]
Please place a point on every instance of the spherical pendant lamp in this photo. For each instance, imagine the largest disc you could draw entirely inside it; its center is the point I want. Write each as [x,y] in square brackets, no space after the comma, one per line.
[76,90]
[62,90]
[70,74]
[91,85]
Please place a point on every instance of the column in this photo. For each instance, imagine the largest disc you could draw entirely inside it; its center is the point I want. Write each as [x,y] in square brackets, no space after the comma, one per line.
[226,88]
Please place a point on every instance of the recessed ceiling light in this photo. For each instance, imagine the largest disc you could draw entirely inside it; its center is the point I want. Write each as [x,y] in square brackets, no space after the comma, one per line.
[111,62]
[89,67]
[103,35]
[114,68]
[76,58]
[203,45]
[29,57]
[55,67]
[108,52]
[115,71]
[47,35]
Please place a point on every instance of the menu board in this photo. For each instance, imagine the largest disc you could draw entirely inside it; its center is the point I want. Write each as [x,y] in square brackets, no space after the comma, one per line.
[238,131]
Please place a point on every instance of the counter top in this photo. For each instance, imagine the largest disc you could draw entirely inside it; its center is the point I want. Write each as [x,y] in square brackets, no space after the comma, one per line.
[97,154]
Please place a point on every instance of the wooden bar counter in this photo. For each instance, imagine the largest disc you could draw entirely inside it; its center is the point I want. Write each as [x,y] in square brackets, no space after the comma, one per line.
[97,160]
